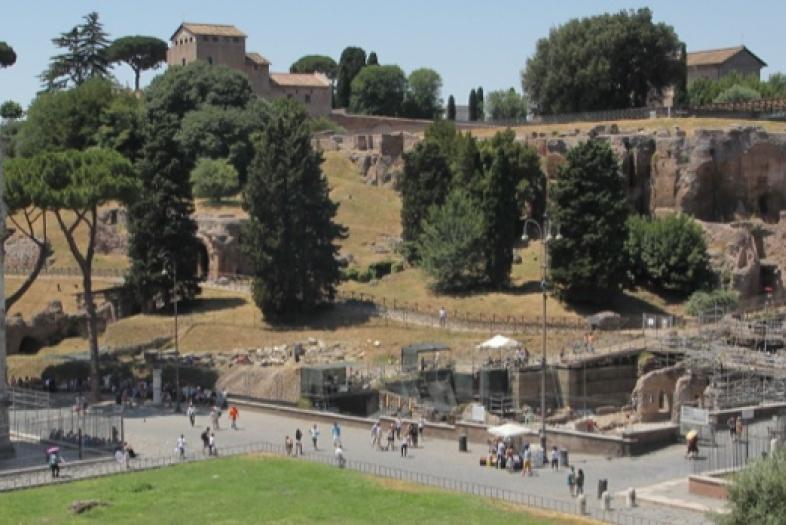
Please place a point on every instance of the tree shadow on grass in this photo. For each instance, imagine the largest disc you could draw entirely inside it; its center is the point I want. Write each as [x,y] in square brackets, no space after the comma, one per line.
[203,305]
[340,315]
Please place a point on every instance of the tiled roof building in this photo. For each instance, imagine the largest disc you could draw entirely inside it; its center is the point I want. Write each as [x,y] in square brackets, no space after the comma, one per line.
[226,45]
[716,63]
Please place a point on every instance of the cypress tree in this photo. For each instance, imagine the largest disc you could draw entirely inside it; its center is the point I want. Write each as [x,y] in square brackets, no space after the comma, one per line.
[451,108]
[290,236]
[425,182]
[501,214]
[473,105]
[481,115]
[352,60]
[590,206]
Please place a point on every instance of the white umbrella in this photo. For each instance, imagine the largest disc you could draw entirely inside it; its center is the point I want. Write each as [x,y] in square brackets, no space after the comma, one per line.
[499,342]
[511,430]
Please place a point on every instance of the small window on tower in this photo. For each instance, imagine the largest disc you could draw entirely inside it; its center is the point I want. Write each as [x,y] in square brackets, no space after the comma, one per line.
[308,98]
[210,60]
[184,61]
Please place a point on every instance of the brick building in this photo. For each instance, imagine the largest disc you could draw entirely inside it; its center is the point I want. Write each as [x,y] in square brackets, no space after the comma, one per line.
[717,63]
[226,45]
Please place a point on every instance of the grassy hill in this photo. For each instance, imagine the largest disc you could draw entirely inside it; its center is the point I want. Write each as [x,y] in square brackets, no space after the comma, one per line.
[257,489]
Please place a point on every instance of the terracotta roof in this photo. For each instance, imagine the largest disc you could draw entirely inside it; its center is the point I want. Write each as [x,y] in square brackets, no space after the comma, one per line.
[209,29]
[711,57]
[257,59]
[300,79]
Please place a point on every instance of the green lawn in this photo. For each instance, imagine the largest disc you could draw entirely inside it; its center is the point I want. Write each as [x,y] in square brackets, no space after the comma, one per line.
[256,490]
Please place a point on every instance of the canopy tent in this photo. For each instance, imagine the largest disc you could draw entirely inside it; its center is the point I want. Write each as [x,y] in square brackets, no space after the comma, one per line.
[499,342]
[511,430]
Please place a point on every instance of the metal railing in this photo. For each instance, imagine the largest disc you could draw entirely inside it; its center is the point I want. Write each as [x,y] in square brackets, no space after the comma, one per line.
[95,470]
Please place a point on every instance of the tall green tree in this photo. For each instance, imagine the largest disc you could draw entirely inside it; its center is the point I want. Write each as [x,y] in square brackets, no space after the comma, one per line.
[451,245]
[84,56]
[315,64]
[473,105]
[451,108]
[609,61]
[7,55]
[72,185]
[589,204]
[78,118]
[162,230]
[681,97]
[291,234]
[223,133]
[501,214]
[378,90]
[139,52]
[425,182]
[422,99]
[11,110]
[372,59]
[506,105]
[481,101]
[352,60]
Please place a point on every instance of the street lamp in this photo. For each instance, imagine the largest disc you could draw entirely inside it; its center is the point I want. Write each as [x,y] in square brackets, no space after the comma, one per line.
[173,262]
[544,232]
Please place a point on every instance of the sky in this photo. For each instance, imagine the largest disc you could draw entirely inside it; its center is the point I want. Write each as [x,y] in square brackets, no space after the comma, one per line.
[470,43]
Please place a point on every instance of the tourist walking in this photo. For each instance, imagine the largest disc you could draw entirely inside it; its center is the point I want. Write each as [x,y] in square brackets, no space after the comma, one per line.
[298,442]
[54,460]
[421,427]
[214,415]
[405,445]
[398,427]
[191,413]
[554,458]
[572,481]
[412,432]
[391,438]
[211,445]
[732,424]
[205,437]
[288,445]
[443,317]
[233,415]
[314,431]
[527,469]
[339,452]
[580,483]
[335,432]
[375,430]
[180,448]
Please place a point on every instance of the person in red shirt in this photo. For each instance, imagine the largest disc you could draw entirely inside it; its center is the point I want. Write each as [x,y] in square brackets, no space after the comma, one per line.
[233,415]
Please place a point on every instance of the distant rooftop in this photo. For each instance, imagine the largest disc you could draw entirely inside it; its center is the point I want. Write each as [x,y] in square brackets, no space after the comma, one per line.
[209,30]
[257,59]
[300,79]
[712,57]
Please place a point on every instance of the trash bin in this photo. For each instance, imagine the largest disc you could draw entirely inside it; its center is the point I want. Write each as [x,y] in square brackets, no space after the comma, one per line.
[563,458]
[603,486]
[463,443]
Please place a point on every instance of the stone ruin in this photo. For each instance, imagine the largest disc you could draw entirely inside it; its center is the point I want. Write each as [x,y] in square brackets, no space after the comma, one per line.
[660,394]
[50,326]
[378,157]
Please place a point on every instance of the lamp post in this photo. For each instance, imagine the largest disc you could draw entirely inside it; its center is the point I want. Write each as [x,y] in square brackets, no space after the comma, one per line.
[544,231]
[177,345]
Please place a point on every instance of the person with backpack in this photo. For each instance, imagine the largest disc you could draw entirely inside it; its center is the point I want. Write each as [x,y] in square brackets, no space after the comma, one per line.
[572,481]
[54,460]
[580,483]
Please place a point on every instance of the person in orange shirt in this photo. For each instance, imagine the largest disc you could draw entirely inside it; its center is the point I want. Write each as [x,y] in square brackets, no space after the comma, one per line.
[233,414]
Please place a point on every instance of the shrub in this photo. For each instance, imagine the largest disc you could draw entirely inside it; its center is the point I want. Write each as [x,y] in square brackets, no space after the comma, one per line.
[397,267]
[702,301]
[350,274]
[738,93]
[214,179]
[380,269]
[758,493]
[668,253]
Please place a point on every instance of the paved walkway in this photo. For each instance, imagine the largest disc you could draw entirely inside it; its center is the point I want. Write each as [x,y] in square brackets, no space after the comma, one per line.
[153,433]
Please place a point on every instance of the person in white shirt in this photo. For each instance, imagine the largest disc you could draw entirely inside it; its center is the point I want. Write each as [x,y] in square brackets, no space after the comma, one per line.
[375,435]
[191,413]
[181,446]
[340,457]
[314,431]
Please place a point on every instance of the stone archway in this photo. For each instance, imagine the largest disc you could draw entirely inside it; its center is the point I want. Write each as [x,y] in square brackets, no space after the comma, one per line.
[203,262]
[29,345]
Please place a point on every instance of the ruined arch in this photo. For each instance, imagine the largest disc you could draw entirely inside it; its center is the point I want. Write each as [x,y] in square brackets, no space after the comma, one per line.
[29,345]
